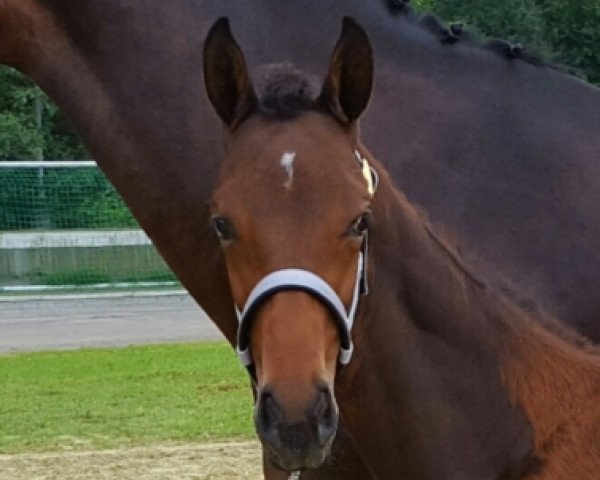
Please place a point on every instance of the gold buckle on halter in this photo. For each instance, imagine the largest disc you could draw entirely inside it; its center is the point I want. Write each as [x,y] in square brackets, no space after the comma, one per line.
[368,172]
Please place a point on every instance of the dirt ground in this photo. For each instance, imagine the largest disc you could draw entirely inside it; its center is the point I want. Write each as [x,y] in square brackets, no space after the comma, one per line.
[217,461]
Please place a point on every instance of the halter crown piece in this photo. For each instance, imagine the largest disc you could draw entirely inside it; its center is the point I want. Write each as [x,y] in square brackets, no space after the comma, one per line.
[302,280]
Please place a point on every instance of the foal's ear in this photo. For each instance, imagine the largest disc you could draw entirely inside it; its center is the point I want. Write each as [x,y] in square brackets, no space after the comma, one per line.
[228,84]
[349,82]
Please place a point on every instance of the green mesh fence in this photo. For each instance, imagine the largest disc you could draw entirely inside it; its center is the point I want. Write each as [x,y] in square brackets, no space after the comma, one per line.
[63,226]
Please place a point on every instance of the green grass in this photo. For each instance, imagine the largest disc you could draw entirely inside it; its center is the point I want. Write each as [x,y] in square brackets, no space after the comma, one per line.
[101,398]
[91,276]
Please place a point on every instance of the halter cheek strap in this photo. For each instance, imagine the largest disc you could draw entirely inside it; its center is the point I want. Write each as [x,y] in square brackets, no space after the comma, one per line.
[301,280]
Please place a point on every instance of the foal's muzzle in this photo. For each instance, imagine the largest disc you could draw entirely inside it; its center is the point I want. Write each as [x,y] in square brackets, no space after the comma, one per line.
[303,280]
[299,444]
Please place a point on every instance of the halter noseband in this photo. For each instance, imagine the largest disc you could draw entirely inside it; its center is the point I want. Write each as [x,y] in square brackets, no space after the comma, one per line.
[293,279]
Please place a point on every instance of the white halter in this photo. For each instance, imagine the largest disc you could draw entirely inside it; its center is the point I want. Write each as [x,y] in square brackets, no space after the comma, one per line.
[303,280]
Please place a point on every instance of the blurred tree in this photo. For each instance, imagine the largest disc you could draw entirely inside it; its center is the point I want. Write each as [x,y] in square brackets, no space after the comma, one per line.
[513,20]
[22,136]
[18,138]
[573,30]
[566,32]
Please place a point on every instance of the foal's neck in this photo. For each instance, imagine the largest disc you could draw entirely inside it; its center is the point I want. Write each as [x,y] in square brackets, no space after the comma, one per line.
[444,298]
[460,363]
[438,292]
[543,369]
[425,361]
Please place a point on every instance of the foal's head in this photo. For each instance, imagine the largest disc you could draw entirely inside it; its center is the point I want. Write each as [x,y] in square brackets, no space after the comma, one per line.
[292,195]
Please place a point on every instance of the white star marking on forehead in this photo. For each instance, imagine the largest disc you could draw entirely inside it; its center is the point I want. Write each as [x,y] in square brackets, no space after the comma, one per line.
[287,162]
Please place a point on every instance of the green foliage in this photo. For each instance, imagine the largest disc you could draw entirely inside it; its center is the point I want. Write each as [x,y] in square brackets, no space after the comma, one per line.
[566,32]
[32,128]
[30,134]
[77,277]
[83,199]
[60,199]
[18,139]
[90,277]
[573,29]
[514,20]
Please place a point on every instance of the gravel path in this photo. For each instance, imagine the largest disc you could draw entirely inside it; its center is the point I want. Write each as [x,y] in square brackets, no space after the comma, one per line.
[220,461]
[109,320]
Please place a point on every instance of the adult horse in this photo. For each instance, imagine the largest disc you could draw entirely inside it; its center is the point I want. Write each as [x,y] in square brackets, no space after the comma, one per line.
[449,379]
[502,150]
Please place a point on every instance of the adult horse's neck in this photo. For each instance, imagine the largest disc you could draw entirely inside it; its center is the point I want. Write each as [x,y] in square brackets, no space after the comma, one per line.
[431,349]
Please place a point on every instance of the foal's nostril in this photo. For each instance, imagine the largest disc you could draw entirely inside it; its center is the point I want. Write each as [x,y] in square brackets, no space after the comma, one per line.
[325,416]
[323,407]
[269,412]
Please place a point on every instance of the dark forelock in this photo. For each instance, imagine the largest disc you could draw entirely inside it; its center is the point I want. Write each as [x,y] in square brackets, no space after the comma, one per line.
[284,92]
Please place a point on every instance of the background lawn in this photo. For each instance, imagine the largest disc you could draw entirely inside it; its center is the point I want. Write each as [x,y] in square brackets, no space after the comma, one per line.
[99,398]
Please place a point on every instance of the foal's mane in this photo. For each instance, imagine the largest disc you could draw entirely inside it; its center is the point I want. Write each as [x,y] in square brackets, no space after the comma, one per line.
[455,33]
[469,265]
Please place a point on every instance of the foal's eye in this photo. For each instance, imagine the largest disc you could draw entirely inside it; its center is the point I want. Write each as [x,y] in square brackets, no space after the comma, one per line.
[360,226]
[223,228]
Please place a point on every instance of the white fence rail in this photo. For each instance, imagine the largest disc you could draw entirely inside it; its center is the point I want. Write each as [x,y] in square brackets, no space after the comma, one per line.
[63,226]
[72,238]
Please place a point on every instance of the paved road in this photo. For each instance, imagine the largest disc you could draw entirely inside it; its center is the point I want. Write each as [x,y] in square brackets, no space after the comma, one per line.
[100,321]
